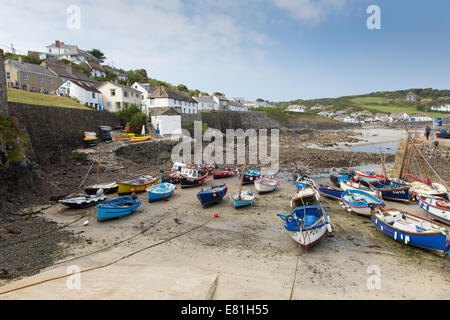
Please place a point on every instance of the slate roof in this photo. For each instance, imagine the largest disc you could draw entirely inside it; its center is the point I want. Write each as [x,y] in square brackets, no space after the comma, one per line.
[85,85]
[29,68]
[60,70]
[163,111]
[163,92]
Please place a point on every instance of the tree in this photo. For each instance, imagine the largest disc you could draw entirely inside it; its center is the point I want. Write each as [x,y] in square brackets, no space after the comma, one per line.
[98,54]
[182,87]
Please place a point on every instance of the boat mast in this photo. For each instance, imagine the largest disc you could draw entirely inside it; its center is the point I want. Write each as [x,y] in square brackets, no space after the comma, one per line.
[417,153]
[383,166]
[98,162]
[242,179]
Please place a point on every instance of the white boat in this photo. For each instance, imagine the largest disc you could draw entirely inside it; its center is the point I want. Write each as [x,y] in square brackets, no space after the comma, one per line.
[304,196]
[266,184]
[436,189]
[351,185]
[437,208]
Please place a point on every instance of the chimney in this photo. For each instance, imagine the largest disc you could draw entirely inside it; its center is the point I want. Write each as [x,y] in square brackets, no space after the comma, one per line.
[20,59]
[128,83]
[116,81]
[69,68]
[44,64]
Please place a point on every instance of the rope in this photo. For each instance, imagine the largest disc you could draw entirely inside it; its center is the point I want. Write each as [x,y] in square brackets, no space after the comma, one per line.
[86,174]
[111,263]
[295,275]
[16,275]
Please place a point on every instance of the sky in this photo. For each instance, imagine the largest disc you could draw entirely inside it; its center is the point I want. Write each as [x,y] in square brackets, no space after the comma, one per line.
[278,50]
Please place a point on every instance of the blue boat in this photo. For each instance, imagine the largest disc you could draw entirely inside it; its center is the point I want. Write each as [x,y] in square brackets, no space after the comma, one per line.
[160,191]
[172,177]
[117,208]
[250,176]
[307,224]
[330,192]
[391,190]
[212,195]
[304,182]
[360,202]
[411,229]
[336,176]
[247,198]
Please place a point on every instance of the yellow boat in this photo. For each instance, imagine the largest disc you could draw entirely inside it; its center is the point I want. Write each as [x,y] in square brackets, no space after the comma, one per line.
[138,184]
[90,139]
[127,136]
[139,139]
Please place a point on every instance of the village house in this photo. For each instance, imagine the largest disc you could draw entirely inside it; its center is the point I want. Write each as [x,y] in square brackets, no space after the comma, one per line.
[221,101]
[167,120]
[395,117]
[146,89]
[206,103]
[347,119]
[442,108]
[250,104]
[295,108]
[419,118]
[118,73]
[317,107]
[326,114]
[65,71]
[165,97]
[84,92]
[31,77]
[411,96]
[234,106]
[382,117]
[116,97]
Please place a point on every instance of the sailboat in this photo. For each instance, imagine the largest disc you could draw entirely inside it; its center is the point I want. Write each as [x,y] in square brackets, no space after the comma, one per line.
[107,188]
[243,198]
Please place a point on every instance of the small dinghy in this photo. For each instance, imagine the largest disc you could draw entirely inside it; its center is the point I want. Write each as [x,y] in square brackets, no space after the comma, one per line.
[352,185]
[221,173]
[336,175]
[360,202]
[250,176]
[304,182]
[411,229]
[138,184]
[366,177]
[437,208]
[212,195]
[191,177]
[391,190]
[84,201]
[266,184]
[160,191]
[245,198]
[107,188]
[117,208]
[305,196]
[173,177]
[331,193]
[307,225]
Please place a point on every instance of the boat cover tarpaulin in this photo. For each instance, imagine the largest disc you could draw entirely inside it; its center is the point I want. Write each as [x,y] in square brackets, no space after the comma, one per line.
[411,176]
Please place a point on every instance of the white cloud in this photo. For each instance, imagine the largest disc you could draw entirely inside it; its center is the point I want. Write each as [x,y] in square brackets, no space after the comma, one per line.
[310,11]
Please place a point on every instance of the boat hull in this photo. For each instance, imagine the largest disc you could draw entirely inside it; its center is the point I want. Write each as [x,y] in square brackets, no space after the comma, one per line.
[433,210]
[107,189]
[244,202]
[160,192]
[108,211]
[87,203]
[363,204]
[392,192]
[265,185]
[331,193]
[128,187]
[212,196]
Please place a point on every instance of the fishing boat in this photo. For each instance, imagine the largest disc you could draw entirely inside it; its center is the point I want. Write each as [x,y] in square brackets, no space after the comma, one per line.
[336,175]
[360,202]
[366,177]
[138,184]
[305,196]
[352,185]
[437,208]
[107,188]
[250,176]
[304,182]
[243,199]
[266,184]
[331,193]
[173,177]
[307,225]
[191,177]
[117,208]
[435,189]
[212,195]
[140,139]
[411,229]
[84,201]
[391,191]
[221,173]
[160,191]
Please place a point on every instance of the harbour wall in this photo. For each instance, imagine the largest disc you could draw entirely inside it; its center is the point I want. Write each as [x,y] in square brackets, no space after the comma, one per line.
[54,131]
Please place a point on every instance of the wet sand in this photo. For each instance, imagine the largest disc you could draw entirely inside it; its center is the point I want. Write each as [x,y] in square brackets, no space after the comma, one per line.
[253,255]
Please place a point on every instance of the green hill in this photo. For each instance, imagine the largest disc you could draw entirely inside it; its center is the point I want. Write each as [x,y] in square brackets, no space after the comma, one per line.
[21,96]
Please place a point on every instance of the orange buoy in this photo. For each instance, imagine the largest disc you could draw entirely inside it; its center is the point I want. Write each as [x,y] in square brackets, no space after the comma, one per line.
[216,215]
[59,209]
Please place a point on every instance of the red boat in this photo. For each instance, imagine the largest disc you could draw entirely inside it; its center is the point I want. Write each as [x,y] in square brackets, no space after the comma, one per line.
[366,177]
[224,173]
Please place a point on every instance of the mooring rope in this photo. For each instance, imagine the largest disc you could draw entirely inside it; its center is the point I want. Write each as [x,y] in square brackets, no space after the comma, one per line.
[113,262]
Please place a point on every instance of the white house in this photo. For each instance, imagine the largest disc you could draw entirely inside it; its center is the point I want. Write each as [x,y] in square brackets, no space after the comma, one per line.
[393,117]
[206,103]
[85,92]
[443,108]
[383,117]
[116,97]
[347,119]
[411,96]
[146,89]
[317,107]
[221,101]
[164,97]
[167,120]
[234,106]
[419,118]
[326,114]
[295,108]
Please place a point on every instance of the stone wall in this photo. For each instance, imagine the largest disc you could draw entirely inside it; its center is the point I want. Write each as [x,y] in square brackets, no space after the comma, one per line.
[155,152]
[3,92]
[321,125]
[54,131]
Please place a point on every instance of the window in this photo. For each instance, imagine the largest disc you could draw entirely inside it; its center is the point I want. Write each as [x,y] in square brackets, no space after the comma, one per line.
[41,79]
[118,105]
[93,95]
[125,105]
[113,92]
[91,104]
[25,76]
[125,93]
[8,76]
[51,80]
[108,105]
[152,101]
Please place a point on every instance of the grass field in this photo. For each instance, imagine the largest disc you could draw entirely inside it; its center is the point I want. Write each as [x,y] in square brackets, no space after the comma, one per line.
[20,96]
[370,100]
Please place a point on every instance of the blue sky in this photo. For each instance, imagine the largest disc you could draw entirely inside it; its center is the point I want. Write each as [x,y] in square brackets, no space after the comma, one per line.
[273,49]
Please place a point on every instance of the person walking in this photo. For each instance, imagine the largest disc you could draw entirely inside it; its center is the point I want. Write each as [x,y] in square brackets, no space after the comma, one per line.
[427,132]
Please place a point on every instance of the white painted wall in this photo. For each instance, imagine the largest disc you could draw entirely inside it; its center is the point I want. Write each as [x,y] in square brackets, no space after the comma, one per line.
[168,125]
[84,96]
[185,107]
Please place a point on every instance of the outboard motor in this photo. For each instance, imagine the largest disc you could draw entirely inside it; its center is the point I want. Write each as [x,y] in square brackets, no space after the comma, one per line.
[134,196]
